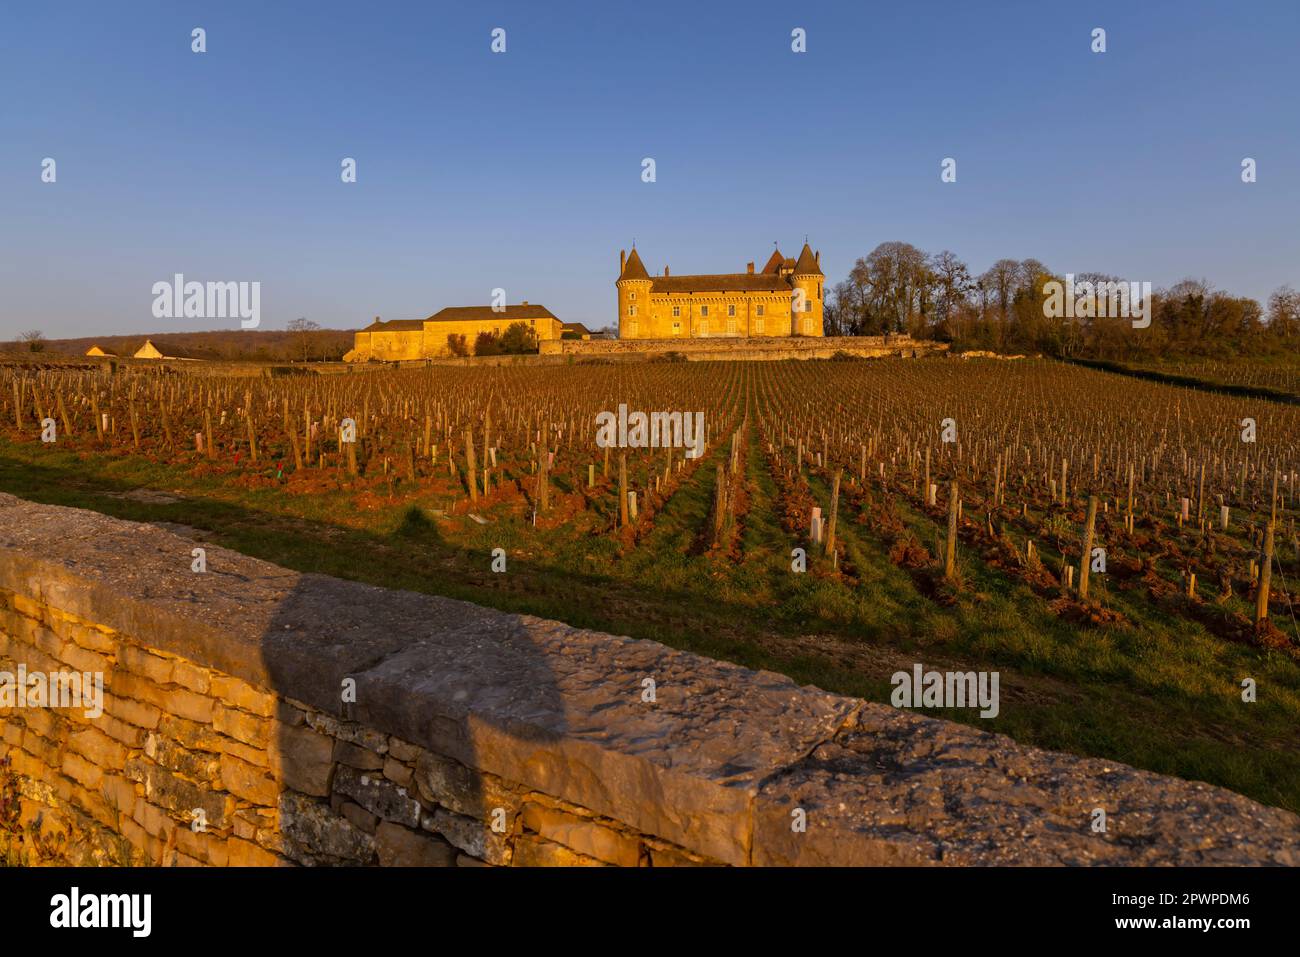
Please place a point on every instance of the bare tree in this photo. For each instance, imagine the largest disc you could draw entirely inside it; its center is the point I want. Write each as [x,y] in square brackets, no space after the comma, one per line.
[1284,312]
[34,339]
[304,333]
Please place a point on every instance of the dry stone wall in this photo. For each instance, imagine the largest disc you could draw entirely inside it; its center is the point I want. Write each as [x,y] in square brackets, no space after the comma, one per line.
[252,715]
[751,348]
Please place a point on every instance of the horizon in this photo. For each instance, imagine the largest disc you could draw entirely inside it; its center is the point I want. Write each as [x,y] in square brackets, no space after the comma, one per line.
[523,170]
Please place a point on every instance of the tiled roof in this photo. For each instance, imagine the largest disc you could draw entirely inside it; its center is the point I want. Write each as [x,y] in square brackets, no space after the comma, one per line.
[773,262]
[487,314]
[634,268]
[395,325]
[807,264]
[726,282]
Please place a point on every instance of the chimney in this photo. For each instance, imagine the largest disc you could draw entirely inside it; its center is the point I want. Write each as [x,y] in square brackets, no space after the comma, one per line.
[665,270]
[524,303]
[817,257]
[622,261]
[749,268]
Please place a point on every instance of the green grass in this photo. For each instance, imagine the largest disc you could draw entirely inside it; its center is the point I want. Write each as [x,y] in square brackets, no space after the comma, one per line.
[1162,694]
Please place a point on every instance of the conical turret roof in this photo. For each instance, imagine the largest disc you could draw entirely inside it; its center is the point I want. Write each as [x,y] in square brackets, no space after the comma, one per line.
[807,264]
[634,268]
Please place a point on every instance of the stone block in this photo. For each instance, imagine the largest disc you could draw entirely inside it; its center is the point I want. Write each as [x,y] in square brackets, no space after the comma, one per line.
[583,835]
[535,852]
[378,795]
[134,712]
[399,846]
[303,760]
[251,729]
[312,831]
[355,756]
[248,782]
[140,662]
[97,747]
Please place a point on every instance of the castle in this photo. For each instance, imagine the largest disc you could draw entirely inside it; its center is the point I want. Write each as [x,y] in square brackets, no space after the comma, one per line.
[784,299]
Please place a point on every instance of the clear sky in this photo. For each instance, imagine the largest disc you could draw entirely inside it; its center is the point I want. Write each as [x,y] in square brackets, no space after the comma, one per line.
[522,170]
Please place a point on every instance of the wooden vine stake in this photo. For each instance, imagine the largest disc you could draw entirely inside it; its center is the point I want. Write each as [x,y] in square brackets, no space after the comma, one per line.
[1265,576]
[950,548]
[1085,562]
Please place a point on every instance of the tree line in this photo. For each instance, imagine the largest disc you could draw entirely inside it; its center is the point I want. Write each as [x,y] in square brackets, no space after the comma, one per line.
[898,288]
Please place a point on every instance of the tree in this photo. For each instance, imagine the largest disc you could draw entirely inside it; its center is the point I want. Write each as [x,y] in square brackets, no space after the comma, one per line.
[34,339]
[1284,313]
[953,285]
[519,338]
[487,344]
[304,333]
[887,290]
[456,343]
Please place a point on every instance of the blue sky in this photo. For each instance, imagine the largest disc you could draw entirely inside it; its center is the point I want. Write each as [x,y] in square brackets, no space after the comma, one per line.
[523,170]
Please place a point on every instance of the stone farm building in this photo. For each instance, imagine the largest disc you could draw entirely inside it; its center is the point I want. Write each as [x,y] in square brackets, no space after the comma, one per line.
[405,339]
[784,299]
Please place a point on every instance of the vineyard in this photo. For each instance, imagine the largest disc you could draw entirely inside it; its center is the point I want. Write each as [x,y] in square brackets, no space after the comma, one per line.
[1124,552]
[1280,374]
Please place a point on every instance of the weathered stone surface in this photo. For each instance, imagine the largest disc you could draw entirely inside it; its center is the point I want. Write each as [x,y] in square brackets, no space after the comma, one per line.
[355,756]
[195,765]
[378,795]
[176,794]
[314,833]
[251,729]
[359,816]
[902,788]
[303,759]
[402,847]
[473,836]
[248,781]
[534,852]
[560,710]
[583,835]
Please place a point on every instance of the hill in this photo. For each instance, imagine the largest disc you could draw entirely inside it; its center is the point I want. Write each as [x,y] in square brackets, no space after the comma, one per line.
[227,344]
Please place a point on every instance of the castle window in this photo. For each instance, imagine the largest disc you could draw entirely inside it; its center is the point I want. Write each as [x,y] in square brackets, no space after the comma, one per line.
[677,327]
[631,310]
[677,311]
[704,310]
[704,326]
[731,327]
[632,296]
[731,310]
[758,311]
[758,324]
[807,305]
[631,328]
